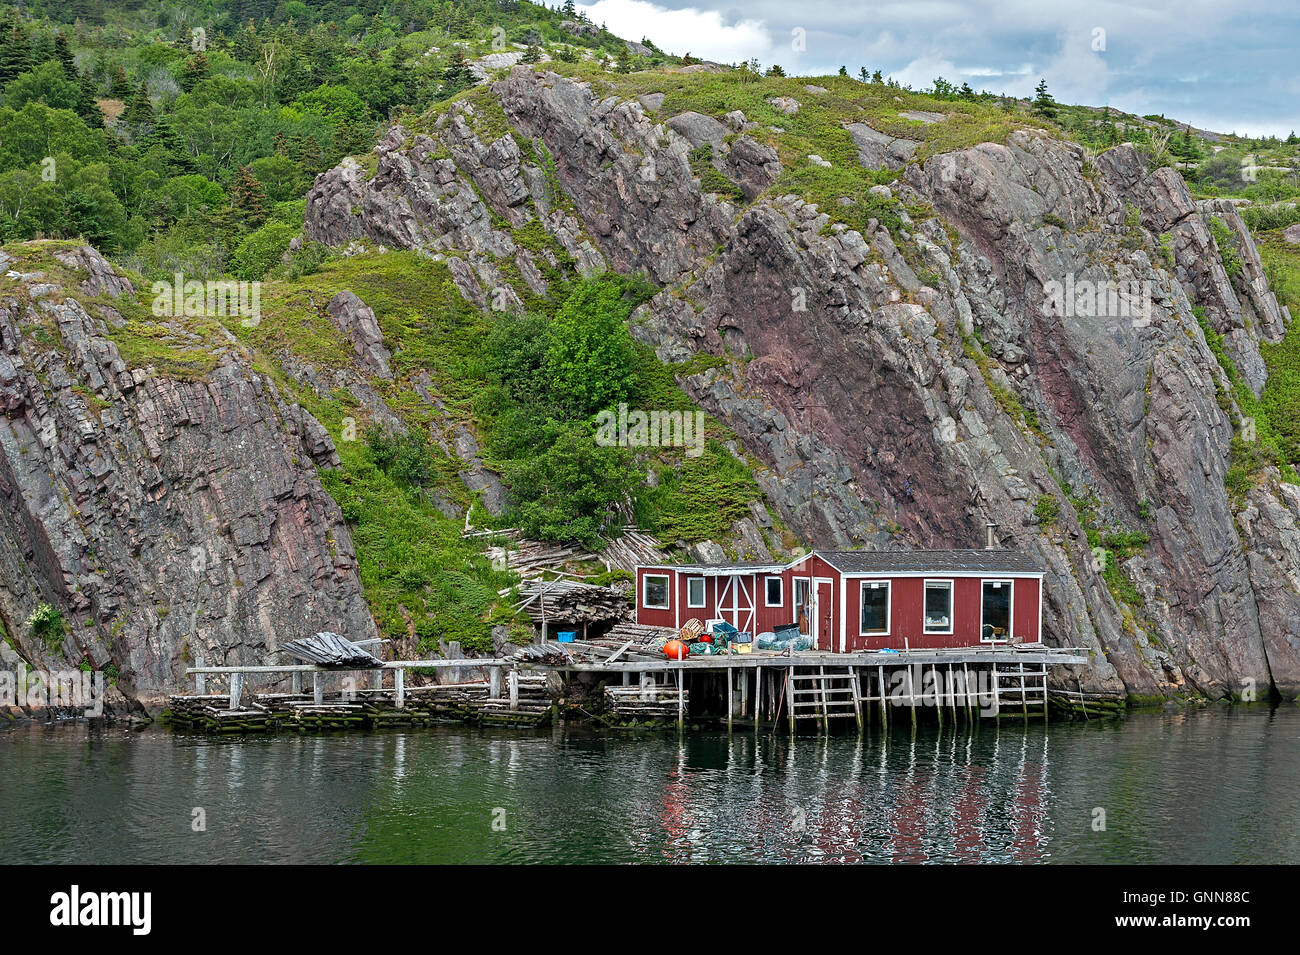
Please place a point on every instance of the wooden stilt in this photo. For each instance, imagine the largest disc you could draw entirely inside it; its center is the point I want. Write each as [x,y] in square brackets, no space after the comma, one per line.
[855,681]
[821,697]
[789,697]
[884,703]
[200,679]
[758,698]
[494,683]
[236,689]
[681,698]
[731,700]
[399,687]
[965,673]
[295,682]
[317,689]
[911,695]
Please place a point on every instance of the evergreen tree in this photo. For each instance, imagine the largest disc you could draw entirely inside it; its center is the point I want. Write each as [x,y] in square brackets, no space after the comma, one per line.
[63,53]
[844,71]
[1043,104]
[87,107]
[194,71]
[247,199]
[139,110]
[118,85]
[456,76]
[864,76]
[15,49]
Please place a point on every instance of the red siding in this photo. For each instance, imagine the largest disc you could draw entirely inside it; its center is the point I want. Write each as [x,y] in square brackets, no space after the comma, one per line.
[907,597]
[1024,610]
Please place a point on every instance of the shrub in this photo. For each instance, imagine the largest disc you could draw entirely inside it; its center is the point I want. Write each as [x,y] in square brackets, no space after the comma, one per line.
[590,357]
[1046,509]
[46,624]
[261,251]
[1227,244]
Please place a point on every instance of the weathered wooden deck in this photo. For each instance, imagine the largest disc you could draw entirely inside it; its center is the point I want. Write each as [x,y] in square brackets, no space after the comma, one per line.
[759,688]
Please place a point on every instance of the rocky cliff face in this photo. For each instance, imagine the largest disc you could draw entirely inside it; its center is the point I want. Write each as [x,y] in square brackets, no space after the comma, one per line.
[904,384]
[170,518]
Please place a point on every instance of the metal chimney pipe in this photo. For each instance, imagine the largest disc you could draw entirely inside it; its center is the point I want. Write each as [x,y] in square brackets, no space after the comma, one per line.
[990,537]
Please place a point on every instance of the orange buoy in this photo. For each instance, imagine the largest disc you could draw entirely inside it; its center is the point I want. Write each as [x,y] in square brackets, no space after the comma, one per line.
[675,650]
[706,638]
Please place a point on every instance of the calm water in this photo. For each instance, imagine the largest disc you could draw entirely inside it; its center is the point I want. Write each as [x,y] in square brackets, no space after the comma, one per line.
[1214,785]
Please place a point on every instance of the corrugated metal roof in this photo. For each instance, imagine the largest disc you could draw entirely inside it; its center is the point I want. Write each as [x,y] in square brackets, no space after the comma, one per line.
[998,561]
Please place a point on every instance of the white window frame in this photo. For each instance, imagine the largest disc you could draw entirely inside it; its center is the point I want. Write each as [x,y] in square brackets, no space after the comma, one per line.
[952,606]
[704,597]
[866,585]
[668,592]
[1011,607]
[781,583]
[794,589]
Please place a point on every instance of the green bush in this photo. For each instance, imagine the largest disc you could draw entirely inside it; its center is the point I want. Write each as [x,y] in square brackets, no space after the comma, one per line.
[46,624]
[576,489]
[590,356]
[1046,509]
[1227,243]
[261,251]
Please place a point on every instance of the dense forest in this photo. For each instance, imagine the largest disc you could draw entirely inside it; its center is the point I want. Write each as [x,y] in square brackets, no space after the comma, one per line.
[184,139]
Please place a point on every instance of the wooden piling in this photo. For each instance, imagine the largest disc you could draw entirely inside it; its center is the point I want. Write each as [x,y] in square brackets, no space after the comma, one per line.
[884,704]
[731,701]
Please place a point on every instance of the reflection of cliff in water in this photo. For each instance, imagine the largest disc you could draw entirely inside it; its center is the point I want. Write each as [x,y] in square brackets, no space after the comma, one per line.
[1010,793]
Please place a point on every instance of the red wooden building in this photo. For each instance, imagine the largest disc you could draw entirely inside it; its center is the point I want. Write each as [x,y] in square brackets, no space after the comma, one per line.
[859,600]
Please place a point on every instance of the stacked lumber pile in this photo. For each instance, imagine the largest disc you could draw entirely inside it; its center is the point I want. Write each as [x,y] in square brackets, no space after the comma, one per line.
[653,701]
[532,697]
[632,548]
[573,602]
[212,712]
[528,558]
[330,650]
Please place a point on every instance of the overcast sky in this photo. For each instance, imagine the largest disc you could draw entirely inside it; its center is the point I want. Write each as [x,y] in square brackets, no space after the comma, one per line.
[1226,65]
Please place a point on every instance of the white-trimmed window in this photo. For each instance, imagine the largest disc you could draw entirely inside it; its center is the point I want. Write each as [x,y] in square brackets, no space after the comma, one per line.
[875,608]
[774,592]
[938,606]
[802,588]
[695,592]
[996,600]
[654,591]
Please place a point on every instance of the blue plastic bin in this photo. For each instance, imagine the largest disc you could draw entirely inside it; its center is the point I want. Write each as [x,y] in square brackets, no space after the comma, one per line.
[567,636]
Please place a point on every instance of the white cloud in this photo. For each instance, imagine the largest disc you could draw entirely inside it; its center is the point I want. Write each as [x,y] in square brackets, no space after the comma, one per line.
[702,33]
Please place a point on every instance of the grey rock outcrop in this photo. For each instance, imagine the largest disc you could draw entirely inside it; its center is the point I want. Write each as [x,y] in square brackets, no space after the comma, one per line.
[169,518]
[902,388]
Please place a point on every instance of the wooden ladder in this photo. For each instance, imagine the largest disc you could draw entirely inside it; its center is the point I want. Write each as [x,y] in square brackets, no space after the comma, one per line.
[831,693]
